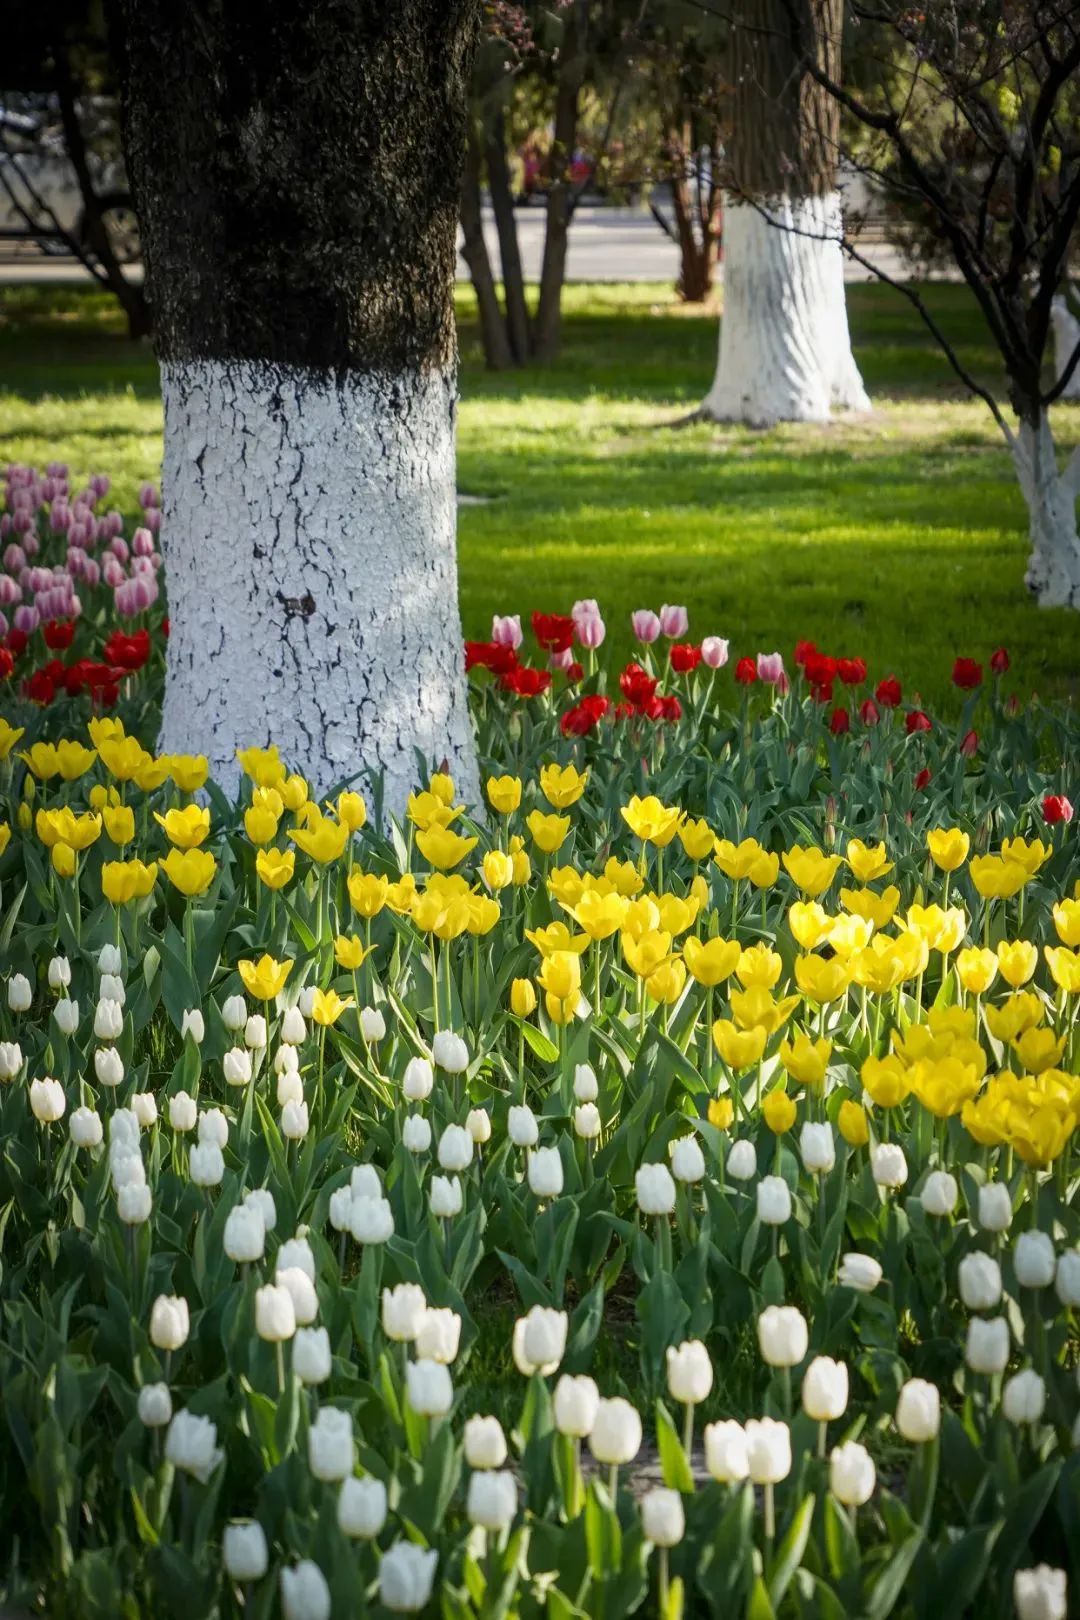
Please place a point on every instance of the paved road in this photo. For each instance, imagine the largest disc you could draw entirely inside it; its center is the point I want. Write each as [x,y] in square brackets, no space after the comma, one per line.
[606,244]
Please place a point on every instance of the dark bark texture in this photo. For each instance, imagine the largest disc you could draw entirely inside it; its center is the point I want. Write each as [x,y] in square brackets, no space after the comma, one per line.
[297,168]
[784,128]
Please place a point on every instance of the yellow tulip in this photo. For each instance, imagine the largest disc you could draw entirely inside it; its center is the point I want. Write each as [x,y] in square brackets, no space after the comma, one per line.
[600,915]
[779,1112]
[1064,968]
[150,773]
[454,915]
[124,881]
[643,956]
[699,892]
[996,879]
[23,816]
[565,884]
[275,867]
[484,913]
[260,824]
[942,930]
[711,961]
[810,923]
[119,820]
[651,821]
[1019,1012]
[888,960]
[399,895]
[739,1048]
[327,1007]
[976,969]
[721,1113]
[294,793]
[189,771]
[1029,856]
[9,736]
[665,983]
[426,810]
[351,809]
[948,847]
[849,934]
[498,869]
[623,876]
[562,785]
[642,917]
[556,937]
[73,759]
[62,857]
[63,826]
[504,794]
[810,869]
[350,951]
[191,870]
[5,835]
[1038,1049]
[736,861]
[867,862]
[852,1123]
[755,1008]
[805,1060]
[676,914]
[944,1087]
[1066,916]
[40,760]
[758,965]
[187,828]
[878,909]
[123,757]
[442,786]
[522,998]
[522,863]
[548,833]
[262,765]
[885,1081]
[265,978]
[697,839]
[765,870]
[1017,961]
[1041,1134]
[561,1011]
[560,975]
[820,979]
[325,840]
[368,892]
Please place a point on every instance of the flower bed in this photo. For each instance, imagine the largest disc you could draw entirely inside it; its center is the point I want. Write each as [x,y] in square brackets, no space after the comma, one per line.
[733,1046]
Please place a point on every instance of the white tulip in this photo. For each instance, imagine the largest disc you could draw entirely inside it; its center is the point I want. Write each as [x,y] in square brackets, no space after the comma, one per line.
[825,1390]
[236,1066]
[304,1592]
[418,1080]
[124,1127]
[109,959]
[406,1576]
[193,1024]
[11,1059]
[296,1253]
[725,1452]
[133,1204]
[275,1315]
[111,988]
[286,1060]
[918,1411]
[478,1125]
[108,1020]
[859,1271]
[429,1387]
[125,1166]
[979,1276]
[305,1001]
[144,1107]
[19,993]
[587,1122]
[311,1361]
[485,1443]
[170,1322]
[302,1292]
[689,1372]
[47,1100]
[244,1552]
[262,1199]
[817,1148]
[888,1165]
[362,1508]
[742,1161]
[339,1209]
[783,1335]
[66,1013]
[372,1024]
[293,1028]
[234,1014]
[213,1127]
[59,973]
[768,1451]
[662,1517]
[371,1220]
[455,1148]
[1040,1593]
[447,1198]
[539,1341]
[987,1349]
[294,1121]
[206,1166]
[545,1172]
[576,1403]
[108,1066]
[851,1474]
[154,1406]
[331,1447]
[940,1193]
[615,1437]
[1067,1278]
[191,1445]
[403,1309]
[450,1052]
[255,1032]
[655,1189]
[86,1128]
[491,1501]
[586,1089]
[365,1181]
[244,1239]
[687,1159]
[183,1111]
[416,1134]
[521,1126]
[773,1201]
[1034,1261]
[1023,1398]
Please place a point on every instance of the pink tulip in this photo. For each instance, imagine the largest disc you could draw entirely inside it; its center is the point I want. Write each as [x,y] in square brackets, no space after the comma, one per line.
[14,558]
[91,570]
[562,660]
[770,667]
[142,543]
[505,629]
[26,619]
[148,496]
[589,626]
[645,625]
[714,652]
[152,519]
[674,621]
[10,591]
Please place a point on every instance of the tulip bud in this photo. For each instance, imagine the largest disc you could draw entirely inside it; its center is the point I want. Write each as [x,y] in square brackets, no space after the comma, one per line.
[455,1148]
[521,1125]
[817,1148]
[987,1349]
[294,1120]
[234,1014]
[255,1032]
[108,1066]
[311,1355]
[491,1501]
[995,1207]
[418,1080]
[47,1100]
[206,1166]
[485,1443]
[183,1111]
[689,1372]
[662,1517]
[154,1406]
[545,1172]
[478,1125]
[1067,1279]
[66,1013]
[1034,1261]
[687,1160]
[416,1133]
[403,1309]
[86,1128]
[293,1028]
[773,1200]
[244,1238]
[918,1411]
[1023,1398]
[725,1452]
[19,994]
[59,973]
[575,1403]
[429,1388]
[191,1445]
[304,1592]
[144,1107]
[372,1024]
[193,1024]
[587,1122]
[11,1059]
[939,1193]
[655,1189]
[888,1164]
[768,1451]
[170,1322]
[851,1474]
[586,1089]
[980,1282]
[244,1551]
[236,1066]
[539,1341]
[615,1437]
[362,1508]
[1040,1593]
[450,1052]
[742,1161]
[859,1271]
[783,1335]
[406,1577]
[447,1199]
[331,1447]
[825,1390]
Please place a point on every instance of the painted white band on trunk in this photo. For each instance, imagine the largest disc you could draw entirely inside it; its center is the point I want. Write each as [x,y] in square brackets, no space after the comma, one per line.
[785,352]
[309,541]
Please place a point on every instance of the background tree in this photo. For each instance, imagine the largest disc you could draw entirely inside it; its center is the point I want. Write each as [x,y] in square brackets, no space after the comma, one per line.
[297,172]
[967,113]
[679,61]
[785,352]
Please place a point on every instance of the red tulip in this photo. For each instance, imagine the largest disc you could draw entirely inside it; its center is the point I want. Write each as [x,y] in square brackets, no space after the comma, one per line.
[684,657]
[852,671]
[839,722]
[869,712]
[129,652]
[637,686]
[803,649]
[58,634]
[746,672]
[888,692]
[526,682]
[967,674]
[7,663]
[922,780]
[1056,807]
[917,721]
[490,655]
[554,631]
[999,661]
[969,744]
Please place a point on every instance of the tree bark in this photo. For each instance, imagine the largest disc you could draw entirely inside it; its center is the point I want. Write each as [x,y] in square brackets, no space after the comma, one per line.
[1053,571]
[547,327]
[493,334]
[297,172]
[785,351]
[502,202]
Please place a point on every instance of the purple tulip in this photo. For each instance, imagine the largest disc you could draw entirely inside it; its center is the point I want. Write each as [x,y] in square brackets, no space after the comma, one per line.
[674,621]
[645,625]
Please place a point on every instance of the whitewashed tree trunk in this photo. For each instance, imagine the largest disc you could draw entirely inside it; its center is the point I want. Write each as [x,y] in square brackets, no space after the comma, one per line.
[785,351]
[1053,570]
[1066,337]
[310,551]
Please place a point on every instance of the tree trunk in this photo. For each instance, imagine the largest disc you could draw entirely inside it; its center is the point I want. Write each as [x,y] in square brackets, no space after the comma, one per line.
[697,213]
[547,327]
[297,172]
[493,335]
[785,354]
[1053,570]
[502,202]
[785,351]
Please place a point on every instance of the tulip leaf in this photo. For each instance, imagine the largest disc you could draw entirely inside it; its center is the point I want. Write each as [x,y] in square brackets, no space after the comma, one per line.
[673,1460]
[790,1552]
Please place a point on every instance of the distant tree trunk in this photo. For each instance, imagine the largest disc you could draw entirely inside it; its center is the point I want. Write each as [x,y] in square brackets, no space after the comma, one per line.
[297,170]
[1053,571]
[493,333]
[785,351]
[547,327]
[698,213]
[502,202]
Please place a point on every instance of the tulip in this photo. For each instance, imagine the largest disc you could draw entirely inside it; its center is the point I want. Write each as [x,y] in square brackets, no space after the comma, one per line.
[429,1387]
[133,1204]
[183,1111]
[206,1166]
[674,622]
[154,1406]
[439,1336]
[403,1309]
[294,1120]
[293,1027]
[1067,1279]
[86,1128]
[275,1314]
[995,1207]
[545,1172]
[783,1335]
[311,1359]
[851,1474]
[59,973]
[485,1443]
[1023,1399]
[539,1341]
[296,1255]
[234,1014]
[416,1133]
[888,1164]
[918,1411]
[47,1100]
[939,1193]
[372,1024]
[655,1189]
[455,1148]
[1034,1261]
[213,1127]
[491,1500]
[331,1447]
[19,994]
[362,1508]
[244,1551]
[980,1282]
[406,1577]
[586,1089]
[725,1452]
[645,625]
[144,1107]
[304,1592]
[662,1517]
[587,1122]
[109,959]
[245,1235]
[108,1066]
[170,1322]
[11,1059]
[450,1052]
[478,1125]
[615,1437]
[987,1348]
[1040,1593]
[714,652]
[689,1372]
[768,1451]
[236,1066]
[66,1013]
[742,1161]
[191,1445]
[773,1201]
[255,1032]
[418,1080]
[825,1390]
[521,1126]
[301,1290]
[576,1403]
[687,1160]
[817,1148]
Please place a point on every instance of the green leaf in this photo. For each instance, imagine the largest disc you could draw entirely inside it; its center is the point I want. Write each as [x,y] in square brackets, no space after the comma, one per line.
[791,1549]
[673,1459]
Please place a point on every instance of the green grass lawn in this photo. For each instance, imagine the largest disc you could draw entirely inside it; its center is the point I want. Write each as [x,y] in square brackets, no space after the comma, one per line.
[901,536]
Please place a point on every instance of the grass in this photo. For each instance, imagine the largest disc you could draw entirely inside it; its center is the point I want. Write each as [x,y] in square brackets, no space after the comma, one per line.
[901,536]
